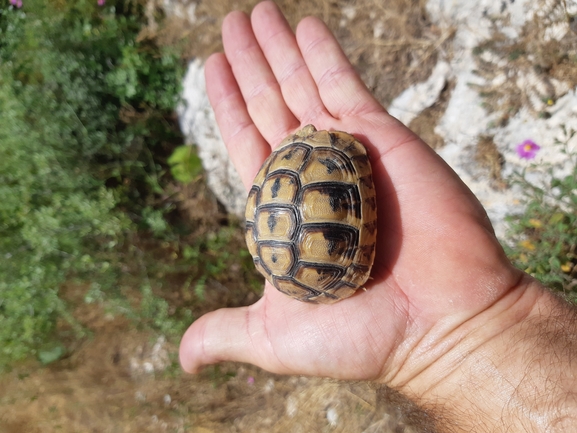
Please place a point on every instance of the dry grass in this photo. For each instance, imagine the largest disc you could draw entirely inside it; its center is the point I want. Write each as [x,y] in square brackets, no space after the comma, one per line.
[490,159]
[392,44]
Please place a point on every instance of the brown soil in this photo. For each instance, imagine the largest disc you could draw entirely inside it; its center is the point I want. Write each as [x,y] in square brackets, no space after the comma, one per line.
[125,380]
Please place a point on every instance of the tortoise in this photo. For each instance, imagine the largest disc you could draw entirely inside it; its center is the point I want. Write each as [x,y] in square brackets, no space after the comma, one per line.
[311,216]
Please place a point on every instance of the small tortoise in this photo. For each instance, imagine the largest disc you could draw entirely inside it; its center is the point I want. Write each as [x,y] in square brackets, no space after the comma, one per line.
[311,216]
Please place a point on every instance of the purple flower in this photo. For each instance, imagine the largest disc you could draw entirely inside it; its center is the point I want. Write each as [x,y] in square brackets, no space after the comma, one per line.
[528,149]
[101,2]
[17,3]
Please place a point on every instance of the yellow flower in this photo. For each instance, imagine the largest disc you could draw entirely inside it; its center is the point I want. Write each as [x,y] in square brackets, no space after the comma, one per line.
[566,267]
[528,245]
[523,258]
[533,222]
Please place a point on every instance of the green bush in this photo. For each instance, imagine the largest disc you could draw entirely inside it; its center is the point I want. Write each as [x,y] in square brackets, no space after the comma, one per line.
[544,237]
[84,130]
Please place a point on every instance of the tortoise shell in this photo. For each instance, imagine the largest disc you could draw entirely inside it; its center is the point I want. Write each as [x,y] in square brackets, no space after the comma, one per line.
[311,216]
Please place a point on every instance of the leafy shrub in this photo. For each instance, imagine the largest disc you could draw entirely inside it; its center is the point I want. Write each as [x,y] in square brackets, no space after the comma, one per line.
[212,255]
[85,127]
[544,237]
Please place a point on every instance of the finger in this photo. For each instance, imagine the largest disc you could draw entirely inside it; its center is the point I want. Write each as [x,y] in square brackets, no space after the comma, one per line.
[246,146]
[215,337]
[340,87]
[233,334]
[280,48]
[260,90]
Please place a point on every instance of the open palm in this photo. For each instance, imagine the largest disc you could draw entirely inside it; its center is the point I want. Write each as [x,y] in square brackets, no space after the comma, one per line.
[438,263]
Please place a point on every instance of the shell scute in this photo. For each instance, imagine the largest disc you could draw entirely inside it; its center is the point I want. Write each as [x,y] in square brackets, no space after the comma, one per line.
[281,187]
[276,224]
[319,277]
[290,158]
[277,258]
[328,165]
[331,202]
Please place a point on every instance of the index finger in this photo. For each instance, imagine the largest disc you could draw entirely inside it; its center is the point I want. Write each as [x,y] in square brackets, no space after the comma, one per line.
[246,146]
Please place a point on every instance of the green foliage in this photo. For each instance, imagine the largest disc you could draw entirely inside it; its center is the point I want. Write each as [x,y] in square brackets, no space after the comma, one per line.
[156,312]
[51,210]
[185,165]
[85,127]
[51,354]
[211,256]
[544,237]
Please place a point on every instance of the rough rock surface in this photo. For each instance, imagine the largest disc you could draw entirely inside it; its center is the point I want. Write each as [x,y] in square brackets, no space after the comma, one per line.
[198,124]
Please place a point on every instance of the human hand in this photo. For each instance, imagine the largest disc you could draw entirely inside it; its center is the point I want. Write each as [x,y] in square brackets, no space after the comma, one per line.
[438,264]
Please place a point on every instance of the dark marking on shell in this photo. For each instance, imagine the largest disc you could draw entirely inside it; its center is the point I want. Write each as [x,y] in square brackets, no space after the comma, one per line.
[271,222]
[332,247]
[362,159]
[330,164]
[371,226]
[372,202]
[275,187]
[336,141]
[350,148]
[340,198]
[289,154]
[334,240]
[338,202]
[367,181]
[367,250]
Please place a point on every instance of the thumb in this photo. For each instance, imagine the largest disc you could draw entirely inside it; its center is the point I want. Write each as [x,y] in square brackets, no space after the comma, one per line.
[241,334]
[221,335]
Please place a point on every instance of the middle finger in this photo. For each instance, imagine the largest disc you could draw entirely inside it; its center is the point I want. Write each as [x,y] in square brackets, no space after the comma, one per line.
[280,48]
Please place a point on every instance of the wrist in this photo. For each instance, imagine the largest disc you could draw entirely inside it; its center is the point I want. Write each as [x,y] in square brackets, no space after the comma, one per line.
[508,366]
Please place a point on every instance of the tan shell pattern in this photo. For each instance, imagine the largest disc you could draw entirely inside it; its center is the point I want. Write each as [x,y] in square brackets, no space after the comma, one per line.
[311,216]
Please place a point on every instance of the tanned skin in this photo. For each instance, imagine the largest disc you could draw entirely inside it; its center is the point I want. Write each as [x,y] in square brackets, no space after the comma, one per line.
[446,320]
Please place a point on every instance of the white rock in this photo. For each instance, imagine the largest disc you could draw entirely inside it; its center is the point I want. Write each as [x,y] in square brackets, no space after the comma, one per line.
[332,416]
[198,124]
[178,9]
[159,355]
[349,12]
[544,132]
[416,98]
[291,406]
[268,386]
[148,367]
[378,30]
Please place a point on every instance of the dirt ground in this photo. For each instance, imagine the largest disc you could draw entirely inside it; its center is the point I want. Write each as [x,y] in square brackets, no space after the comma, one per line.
[122,379]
